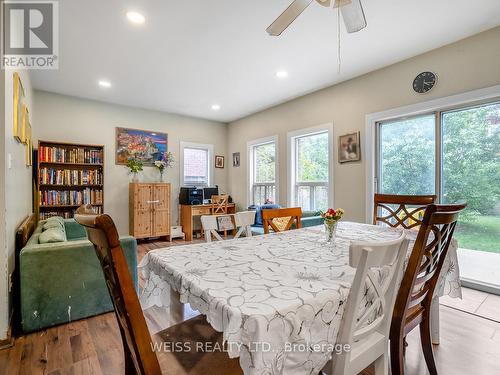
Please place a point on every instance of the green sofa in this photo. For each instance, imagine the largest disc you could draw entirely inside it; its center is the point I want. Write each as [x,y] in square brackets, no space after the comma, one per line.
[63,281]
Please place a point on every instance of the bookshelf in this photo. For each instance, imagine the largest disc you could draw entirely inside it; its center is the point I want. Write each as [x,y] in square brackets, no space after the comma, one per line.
[69,175]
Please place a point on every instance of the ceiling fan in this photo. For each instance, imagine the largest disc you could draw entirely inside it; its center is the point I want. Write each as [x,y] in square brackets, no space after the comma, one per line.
[352,12]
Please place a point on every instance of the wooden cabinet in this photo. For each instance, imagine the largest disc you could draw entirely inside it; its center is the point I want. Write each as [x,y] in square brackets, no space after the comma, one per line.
[149,210]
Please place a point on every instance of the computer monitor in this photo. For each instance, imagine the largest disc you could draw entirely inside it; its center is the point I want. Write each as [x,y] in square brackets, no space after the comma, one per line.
[209,191]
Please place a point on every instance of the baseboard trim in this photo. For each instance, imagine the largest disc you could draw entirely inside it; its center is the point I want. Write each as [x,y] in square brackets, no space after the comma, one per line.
[9,341]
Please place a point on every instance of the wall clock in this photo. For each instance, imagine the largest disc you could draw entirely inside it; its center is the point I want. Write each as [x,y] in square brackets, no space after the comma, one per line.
[424,82]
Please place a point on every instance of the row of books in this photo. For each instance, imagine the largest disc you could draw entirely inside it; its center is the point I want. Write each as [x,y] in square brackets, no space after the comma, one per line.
[70,177]
[65,214]
[70,155]
[70,197]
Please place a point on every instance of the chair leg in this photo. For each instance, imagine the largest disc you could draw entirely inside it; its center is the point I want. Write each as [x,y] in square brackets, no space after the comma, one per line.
[382,365]
[397,358]
[426,341]
[129,363]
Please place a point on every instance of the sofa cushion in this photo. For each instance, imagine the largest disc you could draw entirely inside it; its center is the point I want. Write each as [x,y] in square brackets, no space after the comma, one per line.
[57,219]
[74,231]
[52,235]
[52,224]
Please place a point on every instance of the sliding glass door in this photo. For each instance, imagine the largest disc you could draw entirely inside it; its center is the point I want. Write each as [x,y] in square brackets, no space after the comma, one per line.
[454,154]
[471,172]
[407,156]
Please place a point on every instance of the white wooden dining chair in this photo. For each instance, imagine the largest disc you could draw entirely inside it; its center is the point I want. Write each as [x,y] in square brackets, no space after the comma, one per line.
[209,224]
[368,334]
[243,221]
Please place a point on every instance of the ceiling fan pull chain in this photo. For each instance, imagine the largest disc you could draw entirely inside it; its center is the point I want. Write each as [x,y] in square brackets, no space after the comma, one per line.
[338,36]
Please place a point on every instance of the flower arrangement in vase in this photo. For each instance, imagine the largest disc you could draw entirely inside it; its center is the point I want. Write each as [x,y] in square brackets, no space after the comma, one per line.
[331,218]
[166,162]
[134,166]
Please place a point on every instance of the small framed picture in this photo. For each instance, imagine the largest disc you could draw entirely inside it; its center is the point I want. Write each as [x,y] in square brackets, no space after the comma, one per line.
[219,161]
[349,148]
[236,159]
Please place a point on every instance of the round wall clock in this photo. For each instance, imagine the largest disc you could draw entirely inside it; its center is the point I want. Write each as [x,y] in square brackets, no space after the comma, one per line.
[424,82]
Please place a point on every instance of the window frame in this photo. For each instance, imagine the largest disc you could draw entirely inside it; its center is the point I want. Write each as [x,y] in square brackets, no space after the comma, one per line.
[292,162]
[435,106]
[251,166]
[210,167]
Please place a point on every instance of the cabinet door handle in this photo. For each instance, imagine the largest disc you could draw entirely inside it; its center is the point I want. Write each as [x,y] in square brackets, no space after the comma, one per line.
[157,201]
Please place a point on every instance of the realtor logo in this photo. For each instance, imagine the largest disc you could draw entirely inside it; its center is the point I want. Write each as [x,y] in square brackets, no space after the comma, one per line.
[30,34]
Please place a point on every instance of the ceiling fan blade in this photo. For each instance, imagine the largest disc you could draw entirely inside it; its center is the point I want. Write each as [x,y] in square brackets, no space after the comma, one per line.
[354,16]
[288,16]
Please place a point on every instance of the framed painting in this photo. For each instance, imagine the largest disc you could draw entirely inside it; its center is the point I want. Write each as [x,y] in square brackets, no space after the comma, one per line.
[18,110]
[143,145]
[29,145]
[219,161]
[236,159]
[349,147]
[25,122]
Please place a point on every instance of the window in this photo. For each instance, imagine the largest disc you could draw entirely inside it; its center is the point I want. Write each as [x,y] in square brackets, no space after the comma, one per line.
[407,156]
[196,164]
[309,168]
[454,154]
[263,171]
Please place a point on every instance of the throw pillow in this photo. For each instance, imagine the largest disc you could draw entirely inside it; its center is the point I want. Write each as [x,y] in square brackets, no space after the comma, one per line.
[52,235]
[52,224]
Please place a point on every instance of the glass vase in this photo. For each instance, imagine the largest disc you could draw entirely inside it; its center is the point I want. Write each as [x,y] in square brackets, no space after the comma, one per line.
[330,231]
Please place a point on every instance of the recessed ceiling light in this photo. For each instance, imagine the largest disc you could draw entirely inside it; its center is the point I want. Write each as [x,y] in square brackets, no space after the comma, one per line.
[281,74]
[215,107]
[136,17]
[105,84]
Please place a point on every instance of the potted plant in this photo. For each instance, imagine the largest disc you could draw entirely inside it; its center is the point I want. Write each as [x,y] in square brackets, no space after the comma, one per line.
[166,162]
[134,166]
[331,218]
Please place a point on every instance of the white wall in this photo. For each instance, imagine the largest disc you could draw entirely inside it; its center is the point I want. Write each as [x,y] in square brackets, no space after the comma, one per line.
[3,247]
[466,65]
[18,190]
[70,119]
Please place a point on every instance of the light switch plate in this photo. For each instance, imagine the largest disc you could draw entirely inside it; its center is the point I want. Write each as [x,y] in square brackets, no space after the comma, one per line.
[9,161]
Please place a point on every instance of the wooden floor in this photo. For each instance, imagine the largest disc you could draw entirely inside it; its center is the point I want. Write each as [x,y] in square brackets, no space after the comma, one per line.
[469,345]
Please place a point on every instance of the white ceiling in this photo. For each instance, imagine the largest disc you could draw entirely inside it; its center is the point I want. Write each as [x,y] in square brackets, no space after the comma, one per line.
[192,54]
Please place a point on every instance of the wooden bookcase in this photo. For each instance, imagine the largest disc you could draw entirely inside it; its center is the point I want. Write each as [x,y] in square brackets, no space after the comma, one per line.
[69,175]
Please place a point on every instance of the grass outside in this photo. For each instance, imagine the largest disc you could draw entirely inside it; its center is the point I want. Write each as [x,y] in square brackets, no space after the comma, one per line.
[481,234]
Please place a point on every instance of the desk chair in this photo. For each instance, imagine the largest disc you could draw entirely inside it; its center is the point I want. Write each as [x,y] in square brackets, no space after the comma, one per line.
[219,206]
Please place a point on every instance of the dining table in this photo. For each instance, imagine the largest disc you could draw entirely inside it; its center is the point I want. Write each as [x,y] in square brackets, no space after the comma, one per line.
[278,299]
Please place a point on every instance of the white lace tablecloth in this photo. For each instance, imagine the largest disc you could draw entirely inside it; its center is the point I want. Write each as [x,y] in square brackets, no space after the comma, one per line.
[274,297]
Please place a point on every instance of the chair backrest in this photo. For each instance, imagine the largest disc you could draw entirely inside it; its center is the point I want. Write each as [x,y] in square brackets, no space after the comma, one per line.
[244,221]
[219,204]
[371,260]
[136,339]
[426,260]
[405,211]
[209,225]
[281,219]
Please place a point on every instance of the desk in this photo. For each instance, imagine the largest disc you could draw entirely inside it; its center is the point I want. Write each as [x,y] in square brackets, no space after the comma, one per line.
[188,211]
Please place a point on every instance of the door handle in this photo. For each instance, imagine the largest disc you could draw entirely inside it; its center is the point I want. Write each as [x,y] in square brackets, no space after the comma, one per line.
[150,202]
